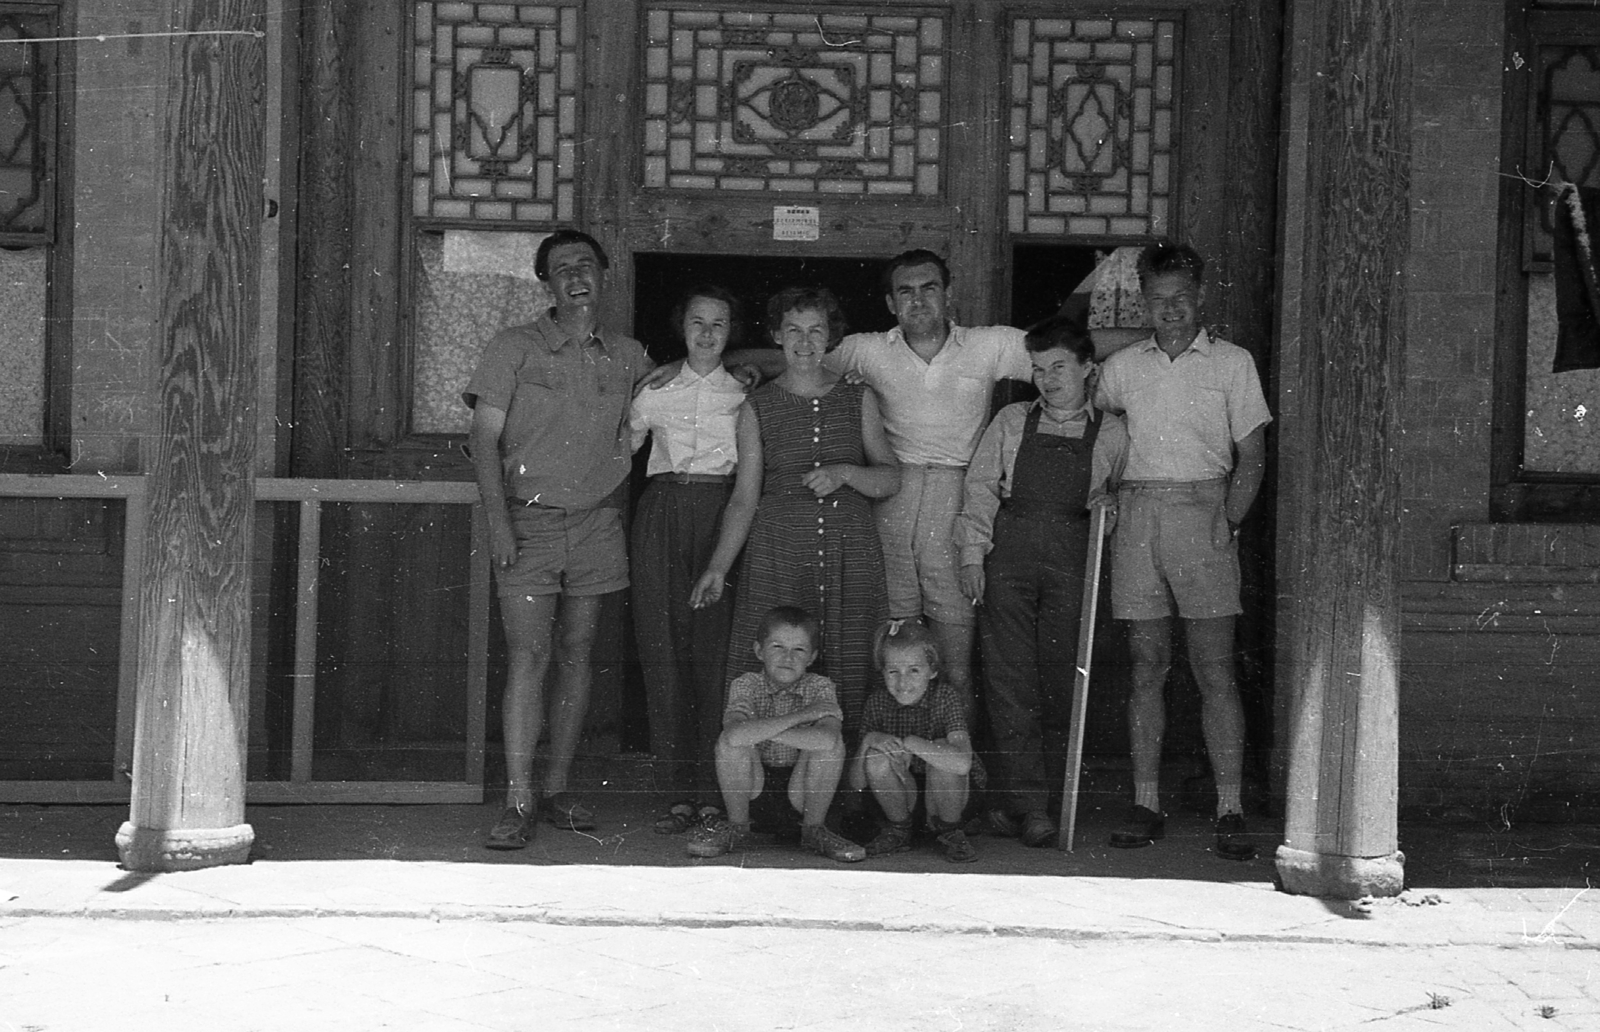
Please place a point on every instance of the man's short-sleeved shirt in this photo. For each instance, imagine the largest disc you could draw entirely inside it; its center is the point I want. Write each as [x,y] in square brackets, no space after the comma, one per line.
[935,716]
[566,441]
[1184,414]
[934,411]
[752,697]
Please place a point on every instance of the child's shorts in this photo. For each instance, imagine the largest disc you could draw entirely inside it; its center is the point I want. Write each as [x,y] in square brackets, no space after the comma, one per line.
[565,552]
[1173,546]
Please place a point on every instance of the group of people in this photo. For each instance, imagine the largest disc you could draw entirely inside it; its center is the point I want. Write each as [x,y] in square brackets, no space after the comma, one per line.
[817,552]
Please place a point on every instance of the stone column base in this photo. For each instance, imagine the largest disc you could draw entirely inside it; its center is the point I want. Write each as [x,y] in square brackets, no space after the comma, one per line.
[1331,876]
[182,849]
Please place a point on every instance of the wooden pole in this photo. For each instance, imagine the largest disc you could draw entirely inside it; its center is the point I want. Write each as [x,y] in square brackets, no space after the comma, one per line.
[194,631]
[1080,680]
[1342,792]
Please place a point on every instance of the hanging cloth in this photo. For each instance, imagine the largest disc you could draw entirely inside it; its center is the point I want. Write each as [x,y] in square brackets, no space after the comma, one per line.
[1577,216]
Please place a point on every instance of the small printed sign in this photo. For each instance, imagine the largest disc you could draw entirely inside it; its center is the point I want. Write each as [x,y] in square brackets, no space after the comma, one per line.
[792,222]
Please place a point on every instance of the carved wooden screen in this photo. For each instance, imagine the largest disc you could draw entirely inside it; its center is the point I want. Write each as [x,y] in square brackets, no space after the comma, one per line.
[494,112]
[1093,125]
[28,140]
[494,165]
[797,102]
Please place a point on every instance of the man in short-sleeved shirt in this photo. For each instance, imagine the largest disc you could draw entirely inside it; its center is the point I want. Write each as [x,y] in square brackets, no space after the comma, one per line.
[1196,421]
[552,449]
[935,381]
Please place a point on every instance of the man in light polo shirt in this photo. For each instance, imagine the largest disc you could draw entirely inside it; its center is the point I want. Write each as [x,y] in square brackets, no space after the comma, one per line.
[552,448]
[935,380]
[1196,421]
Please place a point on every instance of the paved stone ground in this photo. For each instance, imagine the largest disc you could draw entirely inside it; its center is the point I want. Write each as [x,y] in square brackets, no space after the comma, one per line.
[370,917]
[342,973]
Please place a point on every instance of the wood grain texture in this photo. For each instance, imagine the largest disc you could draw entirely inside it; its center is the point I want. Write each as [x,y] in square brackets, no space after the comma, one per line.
[195,630]
[323,231]
[379,391]
[1343,770]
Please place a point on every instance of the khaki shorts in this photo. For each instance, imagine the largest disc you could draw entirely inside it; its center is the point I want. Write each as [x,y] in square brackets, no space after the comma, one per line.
[920,560]
[565,552]
[1173,547]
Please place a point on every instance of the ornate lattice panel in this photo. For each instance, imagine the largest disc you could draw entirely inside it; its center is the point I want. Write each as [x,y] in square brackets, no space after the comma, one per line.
[494,112]
[27,130]
[1093,125]
[796,102]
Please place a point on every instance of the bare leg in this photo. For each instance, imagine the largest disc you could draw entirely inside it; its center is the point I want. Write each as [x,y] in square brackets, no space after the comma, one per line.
[527,620]
[955,659]
[814,781]
[946,796]
[892,784]
[1150,643]
[741,776]
[1221,713]
[575,630]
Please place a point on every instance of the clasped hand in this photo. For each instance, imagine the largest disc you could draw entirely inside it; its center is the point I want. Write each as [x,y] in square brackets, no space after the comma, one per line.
[824,480]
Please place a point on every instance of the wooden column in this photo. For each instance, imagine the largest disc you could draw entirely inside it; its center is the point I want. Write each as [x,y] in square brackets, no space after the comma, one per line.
[1350,65]
[194,630]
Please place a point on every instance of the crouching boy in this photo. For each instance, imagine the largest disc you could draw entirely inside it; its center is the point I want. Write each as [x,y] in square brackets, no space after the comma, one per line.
[914,739]
[784,724]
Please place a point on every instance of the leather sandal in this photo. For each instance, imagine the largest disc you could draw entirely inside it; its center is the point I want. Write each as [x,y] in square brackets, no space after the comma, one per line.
[679,818]
[565,811]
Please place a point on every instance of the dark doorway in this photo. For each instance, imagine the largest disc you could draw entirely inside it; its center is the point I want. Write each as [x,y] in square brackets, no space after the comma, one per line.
[1043,275]
[661,279]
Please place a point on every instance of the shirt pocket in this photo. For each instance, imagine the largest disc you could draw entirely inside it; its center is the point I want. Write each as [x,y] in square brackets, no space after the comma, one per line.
[535,378]
[971,390]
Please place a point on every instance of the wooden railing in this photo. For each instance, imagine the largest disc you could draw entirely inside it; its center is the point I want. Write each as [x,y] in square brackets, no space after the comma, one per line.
[310,496]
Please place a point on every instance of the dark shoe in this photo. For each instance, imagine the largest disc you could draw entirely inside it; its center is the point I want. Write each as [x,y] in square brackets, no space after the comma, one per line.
[565,811]
[678,819]
[1038,830]
[893,838]
[1000,824]
[1142,827]
[1231,843]
[819,838]
[513,830]
[683,815]
[958,849]
[716,836]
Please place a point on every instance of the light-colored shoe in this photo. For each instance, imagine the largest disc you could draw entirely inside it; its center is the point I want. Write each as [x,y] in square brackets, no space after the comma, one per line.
[818,838]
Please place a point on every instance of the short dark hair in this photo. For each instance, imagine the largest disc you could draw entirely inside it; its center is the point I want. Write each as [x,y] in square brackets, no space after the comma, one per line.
[807,299]
[910,259]
[1060,331]
[714,292]
[541,260]
[790,616]
[1160,259]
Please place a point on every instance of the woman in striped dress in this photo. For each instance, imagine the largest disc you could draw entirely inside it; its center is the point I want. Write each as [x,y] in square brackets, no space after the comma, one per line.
[812,457]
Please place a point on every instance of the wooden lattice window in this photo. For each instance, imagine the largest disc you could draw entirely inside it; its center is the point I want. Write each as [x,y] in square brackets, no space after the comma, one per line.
[792,102]
[28,178]
[27,125]
[494,92]
[1093,126]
